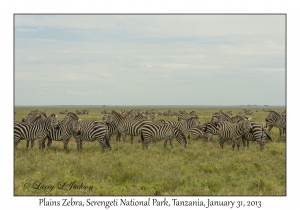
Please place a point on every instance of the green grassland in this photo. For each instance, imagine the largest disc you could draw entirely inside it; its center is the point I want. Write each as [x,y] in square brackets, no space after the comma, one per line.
[202,168]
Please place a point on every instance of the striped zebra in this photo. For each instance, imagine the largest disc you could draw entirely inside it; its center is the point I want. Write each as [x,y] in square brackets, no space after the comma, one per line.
[224,116]
[236,118]
[185,126]
[258,134]
[112,128]
[151,132]
[90,131]
[198,133]
[211,128]
[184,116]
[38,131]
[64,132]
[274,119]
[233,131]
[130,127]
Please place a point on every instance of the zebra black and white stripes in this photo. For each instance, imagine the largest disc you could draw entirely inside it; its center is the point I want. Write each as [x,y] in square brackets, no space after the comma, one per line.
[257,133]
[130,127]
[151,131]
[38,131]
[233,131]
[277,120]
[63,133]
[91,131]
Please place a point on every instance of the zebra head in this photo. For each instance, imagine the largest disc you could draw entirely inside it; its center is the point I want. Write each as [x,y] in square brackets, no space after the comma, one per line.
[215,120]
[194,121]
[53,121]
[76,126]
[246,124]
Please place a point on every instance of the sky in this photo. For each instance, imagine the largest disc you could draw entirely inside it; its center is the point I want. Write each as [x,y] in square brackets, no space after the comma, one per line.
[191,59]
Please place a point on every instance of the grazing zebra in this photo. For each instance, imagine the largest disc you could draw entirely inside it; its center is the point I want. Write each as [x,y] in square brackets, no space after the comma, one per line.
[66,128]
[233,131]
[211,128]
[197,132]
[184,116]
[185,126]
[258,134]
[275,119]
[151,131]
[38,131]
[90,131]
[131,127]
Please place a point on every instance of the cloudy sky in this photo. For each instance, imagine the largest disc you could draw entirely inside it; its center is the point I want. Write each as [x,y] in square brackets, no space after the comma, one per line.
[149,59]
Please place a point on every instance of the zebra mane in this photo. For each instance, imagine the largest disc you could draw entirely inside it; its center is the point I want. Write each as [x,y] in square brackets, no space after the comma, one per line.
[52,115]
[73,116]
[118,114]
[276,113]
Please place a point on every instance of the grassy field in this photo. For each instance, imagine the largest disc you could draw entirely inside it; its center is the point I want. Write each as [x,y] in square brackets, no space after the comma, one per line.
[202,168]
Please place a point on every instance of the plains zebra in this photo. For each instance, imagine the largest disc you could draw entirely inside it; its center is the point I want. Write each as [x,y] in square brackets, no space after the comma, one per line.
[236,118]
[197,132]
[90,131]
[233,131]
[258,134]
[275,119]
[131,127]
[224,116]
[185,126]
[151,131]
[38,131]
[66,128]
[112,128]
[211,128]
[186,116]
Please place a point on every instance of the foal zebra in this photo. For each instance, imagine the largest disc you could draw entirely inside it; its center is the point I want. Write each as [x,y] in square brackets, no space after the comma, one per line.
[90,131]
[38,131]
[151,131]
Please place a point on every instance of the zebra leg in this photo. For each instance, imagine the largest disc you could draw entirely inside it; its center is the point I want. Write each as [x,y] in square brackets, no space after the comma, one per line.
[118,136]
[124,137]
[42,144]
[49,143]
[165,143]
[131,140]
[16,142]
[32,143]
[66,142]
[221,142]
[233,143]
[171,142]
[79,144]
[27,144]
[238,143]
[269,128]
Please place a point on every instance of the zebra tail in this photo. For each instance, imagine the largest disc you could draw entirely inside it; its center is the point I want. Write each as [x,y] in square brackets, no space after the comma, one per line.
[142,137]
[268,136]
[107,140]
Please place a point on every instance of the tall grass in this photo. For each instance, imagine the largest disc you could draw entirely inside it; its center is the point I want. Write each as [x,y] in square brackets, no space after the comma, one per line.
[202,168]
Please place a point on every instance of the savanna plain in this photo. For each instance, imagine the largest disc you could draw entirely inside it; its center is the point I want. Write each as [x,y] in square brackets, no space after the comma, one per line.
[202,168]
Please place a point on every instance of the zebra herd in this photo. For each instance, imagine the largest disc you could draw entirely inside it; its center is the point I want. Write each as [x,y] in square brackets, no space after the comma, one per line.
[37,126]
